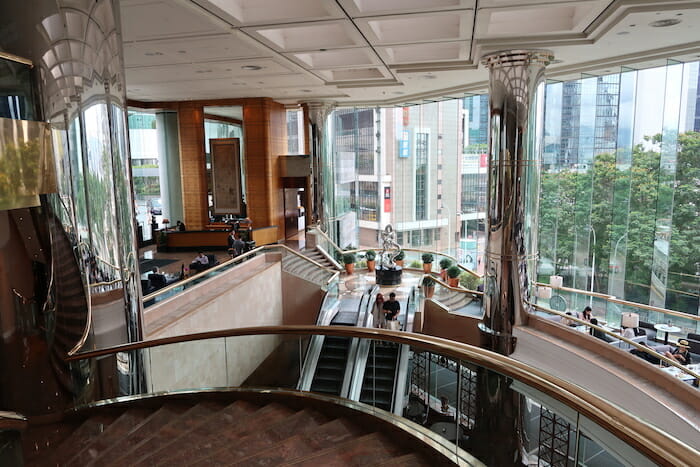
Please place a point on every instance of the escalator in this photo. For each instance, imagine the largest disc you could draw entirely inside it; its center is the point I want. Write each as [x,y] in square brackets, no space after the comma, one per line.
[329,358]
[380,371]
[330,369]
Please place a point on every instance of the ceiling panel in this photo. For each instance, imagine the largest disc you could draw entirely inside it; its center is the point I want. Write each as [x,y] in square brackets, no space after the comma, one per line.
[309,36]
[147,20]
[254,12]
[338,58]
[357,8]
[405,29]
[421,53]
[377,51]
[201,49]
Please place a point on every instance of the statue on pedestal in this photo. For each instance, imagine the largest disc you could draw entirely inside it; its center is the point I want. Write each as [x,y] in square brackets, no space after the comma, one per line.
[388,273]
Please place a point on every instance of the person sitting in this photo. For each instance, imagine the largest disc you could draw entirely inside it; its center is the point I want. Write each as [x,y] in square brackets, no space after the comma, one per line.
[587,314]
[629,333]
[200,263]
[645,355]
[681,353]
[180,226]
[157,280]
[569,322]
[598,333]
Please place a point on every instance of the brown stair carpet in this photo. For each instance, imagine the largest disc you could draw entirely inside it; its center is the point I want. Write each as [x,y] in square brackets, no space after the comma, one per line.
[210,433]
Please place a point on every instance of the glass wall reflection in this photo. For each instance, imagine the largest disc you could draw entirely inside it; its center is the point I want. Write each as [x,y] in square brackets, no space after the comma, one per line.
[618,202]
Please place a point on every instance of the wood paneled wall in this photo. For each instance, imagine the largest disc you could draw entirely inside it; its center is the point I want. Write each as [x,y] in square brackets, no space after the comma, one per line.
[265,139]
[265,127]
[193,165]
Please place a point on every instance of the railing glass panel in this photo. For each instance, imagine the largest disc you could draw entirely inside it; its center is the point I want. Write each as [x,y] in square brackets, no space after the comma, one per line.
[458,402]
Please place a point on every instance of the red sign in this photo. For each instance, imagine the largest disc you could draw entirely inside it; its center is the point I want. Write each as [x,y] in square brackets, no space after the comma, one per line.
[387,199]
[405,116]
[484,160]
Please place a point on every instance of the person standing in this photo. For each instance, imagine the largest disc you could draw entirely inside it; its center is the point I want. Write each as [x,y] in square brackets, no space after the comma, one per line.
[378,311]
[392,308]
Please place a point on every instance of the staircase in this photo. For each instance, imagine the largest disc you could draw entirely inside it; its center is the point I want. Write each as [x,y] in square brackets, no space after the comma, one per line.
[330,369]
[452,299]
[319,258]
[380,370]
[219,433]
[307,270]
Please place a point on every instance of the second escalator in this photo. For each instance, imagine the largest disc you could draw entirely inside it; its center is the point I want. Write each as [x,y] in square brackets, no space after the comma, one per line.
[380,372]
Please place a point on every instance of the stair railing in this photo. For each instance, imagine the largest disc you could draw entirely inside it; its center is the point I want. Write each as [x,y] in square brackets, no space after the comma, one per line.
[639,437]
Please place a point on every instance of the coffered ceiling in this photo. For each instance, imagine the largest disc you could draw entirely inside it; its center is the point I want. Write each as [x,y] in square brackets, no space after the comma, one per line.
[383,51]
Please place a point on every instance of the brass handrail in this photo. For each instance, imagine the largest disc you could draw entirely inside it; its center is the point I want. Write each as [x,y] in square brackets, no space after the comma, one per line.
[670,361]
[227,263]
[654,443]
[613,299]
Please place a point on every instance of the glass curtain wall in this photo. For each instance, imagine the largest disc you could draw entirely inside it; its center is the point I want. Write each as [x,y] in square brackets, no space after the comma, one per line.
[618,211]
[620,169]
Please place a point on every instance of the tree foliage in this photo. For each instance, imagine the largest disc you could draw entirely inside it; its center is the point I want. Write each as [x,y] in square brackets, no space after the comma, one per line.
[627,205]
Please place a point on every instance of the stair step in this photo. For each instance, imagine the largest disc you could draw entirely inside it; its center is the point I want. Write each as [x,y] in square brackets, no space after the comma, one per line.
[83,434]
[165,435]
[152,424]
[207,437]
[411,460]
[304,444]
[259,441]
[114,432]
[366,450]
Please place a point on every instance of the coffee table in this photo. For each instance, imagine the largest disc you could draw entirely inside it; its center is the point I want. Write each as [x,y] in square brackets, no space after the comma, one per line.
[667,329]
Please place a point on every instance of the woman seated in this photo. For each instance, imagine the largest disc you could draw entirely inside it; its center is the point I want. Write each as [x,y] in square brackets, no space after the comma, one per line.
[681,353]
[569,322]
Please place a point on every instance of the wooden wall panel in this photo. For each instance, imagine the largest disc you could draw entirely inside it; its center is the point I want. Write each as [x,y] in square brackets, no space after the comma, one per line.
[193,165]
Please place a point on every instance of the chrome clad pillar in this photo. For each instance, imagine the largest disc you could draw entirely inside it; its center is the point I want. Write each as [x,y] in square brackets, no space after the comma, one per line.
[516,87]
[319,113]
[73,258]
[169,165]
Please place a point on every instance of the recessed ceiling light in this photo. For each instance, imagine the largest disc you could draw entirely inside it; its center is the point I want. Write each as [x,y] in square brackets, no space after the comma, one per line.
[182,51]
[623,33]
[306,90]
[664,23]
[152,54]
[203,71]
[398,93]
[251,67]
[429,76]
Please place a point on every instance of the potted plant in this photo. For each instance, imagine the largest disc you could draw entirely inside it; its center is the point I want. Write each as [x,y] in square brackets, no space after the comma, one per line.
[370,256]
[399,258]
[428,286]
[428,259]
[444,264]
[349,261]
[453,273]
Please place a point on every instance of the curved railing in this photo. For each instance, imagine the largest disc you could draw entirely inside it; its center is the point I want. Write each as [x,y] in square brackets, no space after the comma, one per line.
[613,307]
[668,361]
[181,285]
[214,359]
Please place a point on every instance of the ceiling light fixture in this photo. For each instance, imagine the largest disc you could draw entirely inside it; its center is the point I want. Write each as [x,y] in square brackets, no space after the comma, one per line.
[152,54]
[306,90]
[664,23]
[251,67]
[623,33]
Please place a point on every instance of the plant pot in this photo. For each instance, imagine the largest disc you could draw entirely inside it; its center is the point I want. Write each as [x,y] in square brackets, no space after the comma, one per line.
[427,267]
[428,291]
[370,265]
[453,281]
[350,268]
[399,262]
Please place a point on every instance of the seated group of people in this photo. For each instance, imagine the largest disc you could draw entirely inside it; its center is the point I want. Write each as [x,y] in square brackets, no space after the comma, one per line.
[200,263]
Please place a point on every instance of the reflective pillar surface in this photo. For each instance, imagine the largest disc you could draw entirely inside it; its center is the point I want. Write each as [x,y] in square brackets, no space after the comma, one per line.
[72,260]
[516,86]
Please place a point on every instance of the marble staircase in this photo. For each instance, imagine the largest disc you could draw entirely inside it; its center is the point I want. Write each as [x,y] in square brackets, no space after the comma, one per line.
[188,432]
